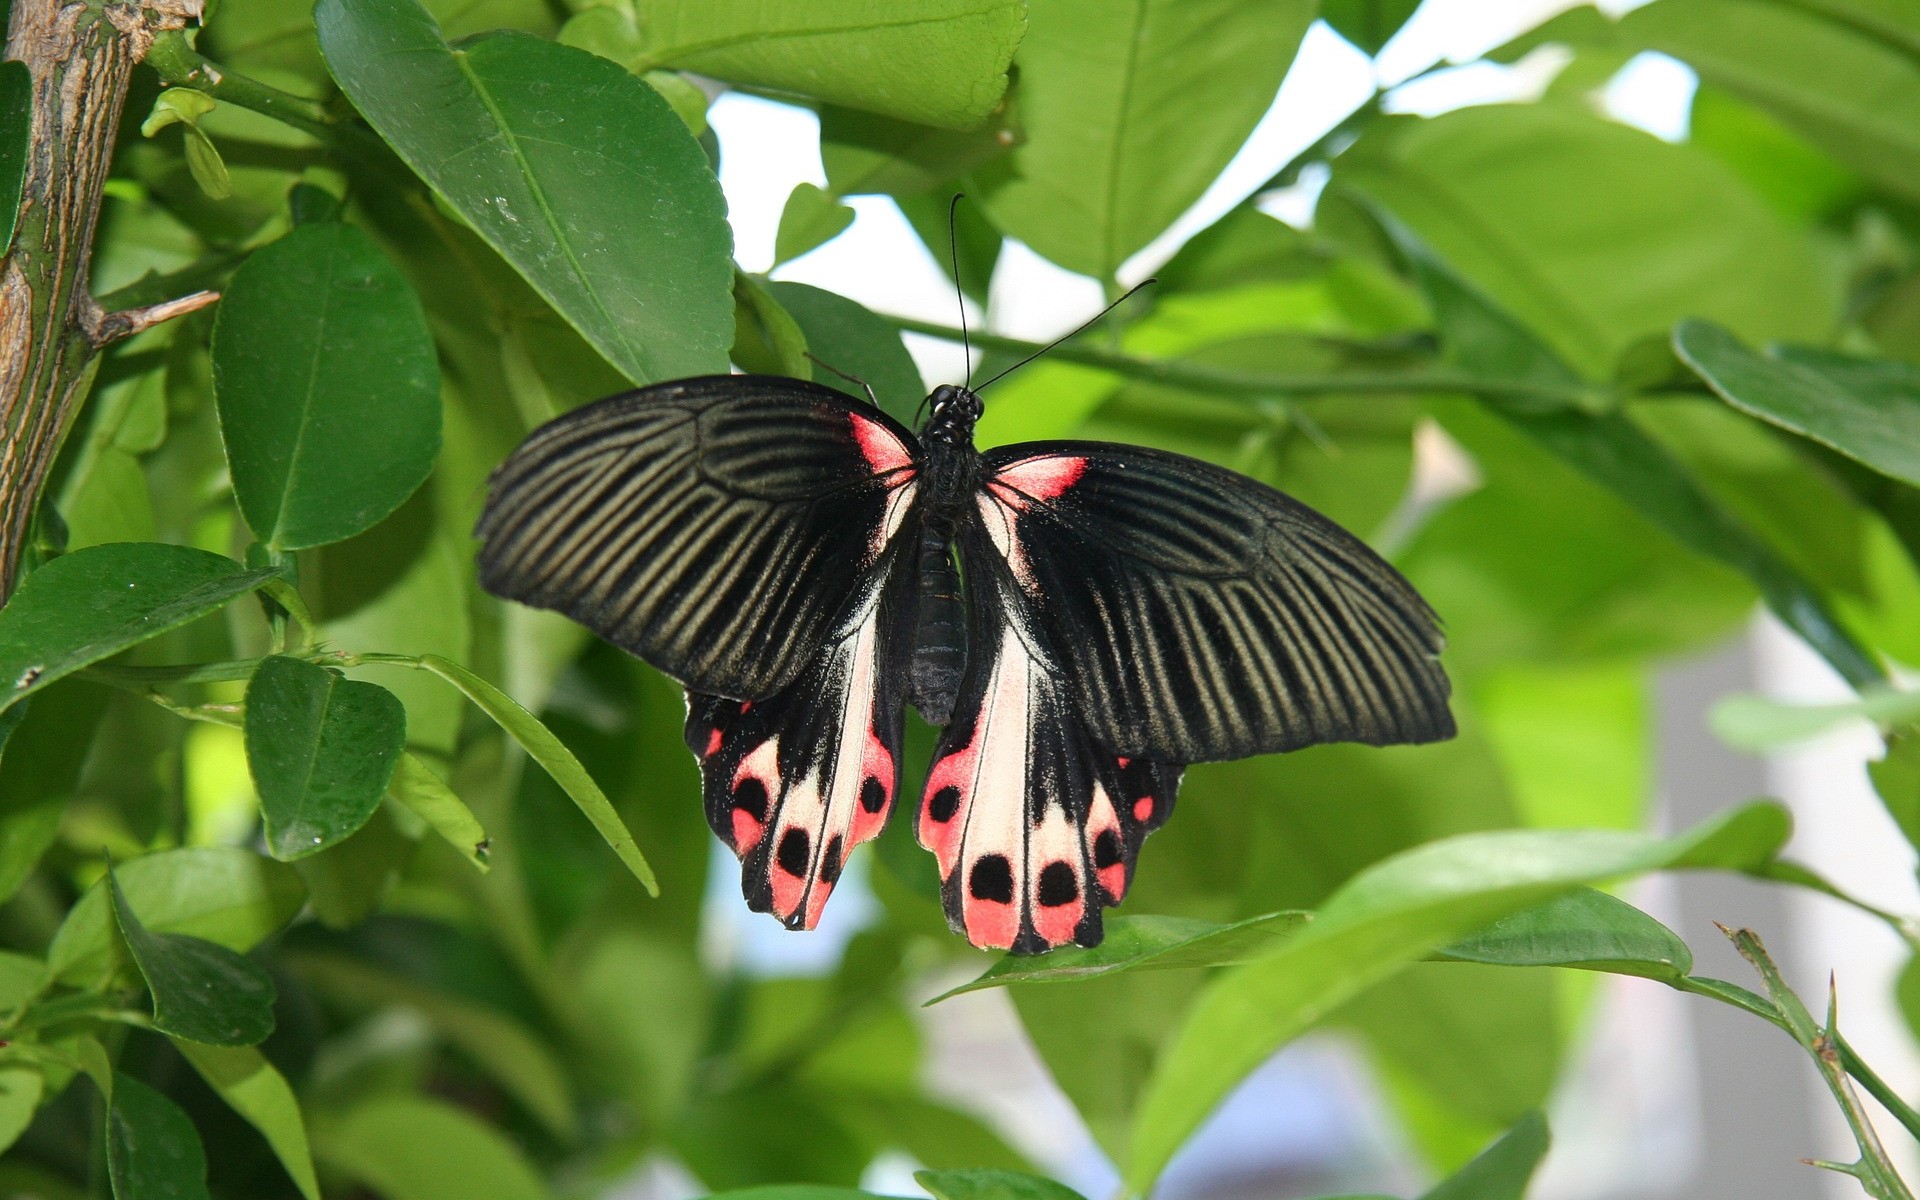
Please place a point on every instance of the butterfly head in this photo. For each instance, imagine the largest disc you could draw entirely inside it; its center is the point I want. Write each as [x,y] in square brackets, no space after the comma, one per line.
[951,413]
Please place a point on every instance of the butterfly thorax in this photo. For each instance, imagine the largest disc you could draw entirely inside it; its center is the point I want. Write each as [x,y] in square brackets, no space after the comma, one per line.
[950,472]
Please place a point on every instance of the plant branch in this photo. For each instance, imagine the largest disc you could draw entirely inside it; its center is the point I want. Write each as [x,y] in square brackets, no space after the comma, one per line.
[80,58]
[1220,381]
[110,327]
[1874,1170]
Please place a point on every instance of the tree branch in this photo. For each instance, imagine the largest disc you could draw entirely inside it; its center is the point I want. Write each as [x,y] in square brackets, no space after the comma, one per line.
[80,57]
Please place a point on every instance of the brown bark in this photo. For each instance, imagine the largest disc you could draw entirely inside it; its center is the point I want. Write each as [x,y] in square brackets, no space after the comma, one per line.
[81,56]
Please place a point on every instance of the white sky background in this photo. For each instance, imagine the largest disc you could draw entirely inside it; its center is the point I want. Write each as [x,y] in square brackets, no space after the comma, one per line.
[768,148]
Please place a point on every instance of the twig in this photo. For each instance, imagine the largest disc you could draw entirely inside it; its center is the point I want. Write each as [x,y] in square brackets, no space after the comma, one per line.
[110,327]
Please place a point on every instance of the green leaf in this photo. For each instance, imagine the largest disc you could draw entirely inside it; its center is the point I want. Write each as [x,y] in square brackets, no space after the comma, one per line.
[992,1185]
[1592,234]
[554,757]
[844,335]
[16,120]
[206,166]
[1151,943]
[766,338]
[1585,928]
[938,62]
[1388,916]
[202,992]
[1827,76]
[1867,409]
[812,218]
[90,605]
[1896,777]
[1616,452]
[576,171]
[1368,24]
[412,1148]
[523,1065]
[177,106]
[20,1087]
[224,894]
[321,749]
[253,1088]
[40,770]
[153,1150]
[1502,1171]
[423,794]
[865,154]
[328,386]
[1757,723]
[1131,109]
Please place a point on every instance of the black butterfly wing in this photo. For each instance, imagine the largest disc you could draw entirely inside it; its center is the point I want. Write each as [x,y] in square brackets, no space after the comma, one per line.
[719,528]
[1035,826]
[793,782]
[1199,615]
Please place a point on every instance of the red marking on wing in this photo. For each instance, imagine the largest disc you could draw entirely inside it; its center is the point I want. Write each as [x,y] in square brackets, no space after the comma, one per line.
[1123,760]
[746,832]
[713,743]
[875,763]
[1056,923]
[883,451]
[1143,808]
[787,889]
[956,771]
[1038,479]
[816,903]
[991,924]
[1101,819]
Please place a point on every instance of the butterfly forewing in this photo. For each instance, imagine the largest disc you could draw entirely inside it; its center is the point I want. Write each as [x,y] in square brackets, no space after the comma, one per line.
[1199,615]
[718,527]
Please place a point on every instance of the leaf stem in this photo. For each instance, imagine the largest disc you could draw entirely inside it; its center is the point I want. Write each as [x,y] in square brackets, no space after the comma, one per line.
[1200,378]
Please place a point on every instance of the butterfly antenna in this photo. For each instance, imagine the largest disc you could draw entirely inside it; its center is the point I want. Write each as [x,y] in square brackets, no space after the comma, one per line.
[1085,325]
[959,296]
[864,385]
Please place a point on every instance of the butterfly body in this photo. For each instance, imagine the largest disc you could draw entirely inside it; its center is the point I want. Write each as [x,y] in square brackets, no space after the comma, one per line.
[1080,619]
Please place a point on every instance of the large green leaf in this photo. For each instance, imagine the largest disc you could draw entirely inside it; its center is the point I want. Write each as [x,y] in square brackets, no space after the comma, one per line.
[92,604]
[992,1185]
[21,1085]
[202,991]
[1612,449]
[1131,109]
[1585,928]
[1827,76]
[153,1150]
[576,171]
[553,756]
[938,62]
[413,1148]
[16,112]
[224,894]
[844,335]
[1868,409]
[1384,918]
[321,749]
[40,770]
[1592,234]
[328,386]
[1368,24]
[259,1093]
[1152,943]
[1502,1171]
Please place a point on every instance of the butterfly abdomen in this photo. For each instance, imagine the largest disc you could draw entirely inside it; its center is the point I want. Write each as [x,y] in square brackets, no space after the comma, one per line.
[939,633]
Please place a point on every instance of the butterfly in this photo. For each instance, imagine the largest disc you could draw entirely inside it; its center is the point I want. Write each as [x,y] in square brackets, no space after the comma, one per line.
[1081,620]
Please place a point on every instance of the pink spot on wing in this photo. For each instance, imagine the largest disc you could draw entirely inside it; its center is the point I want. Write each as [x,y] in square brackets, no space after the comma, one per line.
[1039,479]
[883,451]
[955,770]
[746,832]
[1057,924]
[1114,879]
[991,924]
[787,889]
[1123,761]
[1143,808]
[876,763]
[816,903]
[713,743]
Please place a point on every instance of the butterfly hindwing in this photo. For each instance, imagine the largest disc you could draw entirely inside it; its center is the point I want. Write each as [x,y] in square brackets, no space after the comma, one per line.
[716,527]
[795,781]
[1199,615]
[1034,827]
